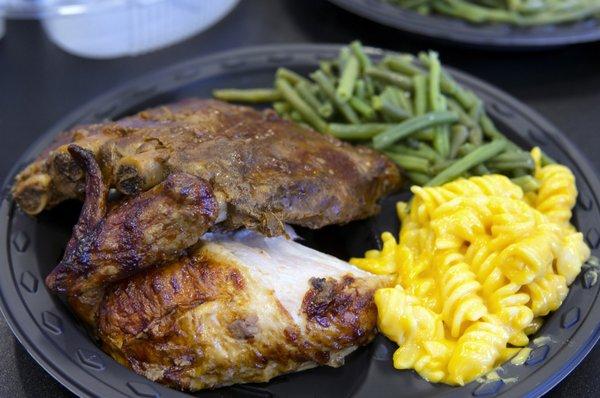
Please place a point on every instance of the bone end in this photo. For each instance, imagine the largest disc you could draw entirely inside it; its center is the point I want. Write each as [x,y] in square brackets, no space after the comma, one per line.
[32,194]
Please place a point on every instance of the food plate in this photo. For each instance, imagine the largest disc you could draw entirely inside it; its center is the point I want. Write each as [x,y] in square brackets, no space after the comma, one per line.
[30,248]
[493,36]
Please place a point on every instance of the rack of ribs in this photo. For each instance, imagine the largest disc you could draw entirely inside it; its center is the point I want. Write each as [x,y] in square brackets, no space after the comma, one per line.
[264,171]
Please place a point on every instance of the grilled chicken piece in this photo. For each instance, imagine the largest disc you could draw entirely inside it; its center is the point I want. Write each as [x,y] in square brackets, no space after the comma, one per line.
[264,171]
[150,229]
[240,308]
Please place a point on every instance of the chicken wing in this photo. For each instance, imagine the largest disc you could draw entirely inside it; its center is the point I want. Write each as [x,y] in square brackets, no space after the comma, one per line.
[149,229]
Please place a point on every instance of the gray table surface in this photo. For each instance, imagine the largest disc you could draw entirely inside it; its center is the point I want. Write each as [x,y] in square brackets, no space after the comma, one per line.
[39,83]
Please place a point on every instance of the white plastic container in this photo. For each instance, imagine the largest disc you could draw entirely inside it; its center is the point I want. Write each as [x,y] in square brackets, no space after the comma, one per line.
[115,28]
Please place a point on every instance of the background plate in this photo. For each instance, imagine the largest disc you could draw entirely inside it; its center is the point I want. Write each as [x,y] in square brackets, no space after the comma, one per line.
[493,36]
[29,248]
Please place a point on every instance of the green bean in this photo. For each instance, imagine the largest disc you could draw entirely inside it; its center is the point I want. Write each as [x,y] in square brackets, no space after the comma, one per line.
[427,149]
[441,139]
[507,166]
[388,77]
[466,149]
[348,79]
[404,150]
[420,94]
[291,96]
[252,95]
[390,110]
[479,155]
[410,163]
[361,89]
[449,86]
[402,99]
[324,109]
[441,165]
[527,183]
[481,170]
[459,135]
[424,135]
[412,125]
[435,71]
[402,65]
[352,132]
[417,178]
[327,86]
[307,95]
[359,53]
[296,116]
[343,57]
[513,156]
[362,107]
[289,75]
[327,68]
[281,107]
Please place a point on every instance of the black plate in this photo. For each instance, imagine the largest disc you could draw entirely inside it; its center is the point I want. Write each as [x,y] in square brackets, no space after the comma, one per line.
[29,248]
[492,36]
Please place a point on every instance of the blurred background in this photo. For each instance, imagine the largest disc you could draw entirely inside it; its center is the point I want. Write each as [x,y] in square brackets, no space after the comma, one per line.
[56,55]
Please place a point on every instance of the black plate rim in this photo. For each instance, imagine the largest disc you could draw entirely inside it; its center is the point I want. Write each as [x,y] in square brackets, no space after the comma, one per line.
[7,207]
[469,34]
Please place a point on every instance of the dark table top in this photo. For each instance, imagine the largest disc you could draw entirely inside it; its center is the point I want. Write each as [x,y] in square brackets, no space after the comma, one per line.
[39,83]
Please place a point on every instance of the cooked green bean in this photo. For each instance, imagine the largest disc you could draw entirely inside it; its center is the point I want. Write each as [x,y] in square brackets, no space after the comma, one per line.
[291,76]
[407,106]
[354,132]
[459,135]
[388,77]
[420,94]
[479,155]
[514,12]
[359,53]
[410,126]
[251,95]
[404,150]
[507,166]
[362,107]
[348,79]
[418,178]
[324,109]
[361,89]
[390,110]
[404,65]
[281,107]
[291,96]
[527,183]
[327,86]
[410,163]
[480,169]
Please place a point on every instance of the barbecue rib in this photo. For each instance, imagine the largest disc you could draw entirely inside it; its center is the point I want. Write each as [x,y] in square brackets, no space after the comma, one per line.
[264,171]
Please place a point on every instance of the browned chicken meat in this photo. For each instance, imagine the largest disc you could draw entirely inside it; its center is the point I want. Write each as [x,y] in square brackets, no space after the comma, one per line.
[197,309]
[238,309]
[264,171]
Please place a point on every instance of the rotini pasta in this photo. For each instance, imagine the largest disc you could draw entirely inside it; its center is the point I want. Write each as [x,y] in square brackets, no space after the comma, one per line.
[477,264]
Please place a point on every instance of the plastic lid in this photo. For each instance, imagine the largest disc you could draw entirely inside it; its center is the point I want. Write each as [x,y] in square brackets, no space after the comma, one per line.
[50,8]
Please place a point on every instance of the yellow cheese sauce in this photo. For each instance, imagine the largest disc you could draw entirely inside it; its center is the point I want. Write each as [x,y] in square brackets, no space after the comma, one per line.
[521,357]
[477,264]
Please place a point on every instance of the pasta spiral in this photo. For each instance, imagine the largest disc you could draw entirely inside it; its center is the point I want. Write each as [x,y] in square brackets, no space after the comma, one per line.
[477,264]
[547,293]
